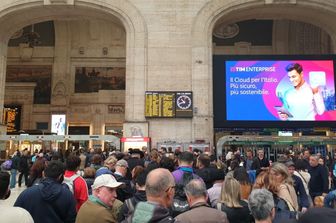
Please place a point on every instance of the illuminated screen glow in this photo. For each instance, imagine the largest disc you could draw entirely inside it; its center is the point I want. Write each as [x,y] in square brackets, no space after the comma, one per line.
[258,90]
[58,124]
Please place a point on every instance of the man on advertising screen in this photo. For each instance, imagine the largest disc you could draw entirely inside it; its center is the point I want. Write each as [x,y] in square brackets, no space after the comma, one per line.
[303,101]
[59,126]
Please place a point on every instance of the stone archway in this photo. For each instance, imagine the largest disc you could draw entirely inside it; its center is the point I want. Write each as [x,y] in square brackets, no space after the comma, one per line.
[230,11]
[21,13]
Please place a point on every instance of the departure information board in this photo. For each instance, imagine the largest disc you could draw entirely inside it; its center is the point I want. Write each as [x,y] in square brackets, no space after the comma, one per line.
[12,117]
[168,104]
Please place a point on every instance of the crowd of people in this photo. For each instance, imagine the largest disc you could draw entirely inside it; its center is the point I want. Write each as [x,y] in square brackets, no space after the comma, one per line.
[169,186]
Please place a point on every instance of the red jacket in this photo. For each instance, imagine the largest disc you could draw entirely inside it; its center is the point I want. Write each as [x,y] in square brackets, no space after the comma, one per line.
[80,189]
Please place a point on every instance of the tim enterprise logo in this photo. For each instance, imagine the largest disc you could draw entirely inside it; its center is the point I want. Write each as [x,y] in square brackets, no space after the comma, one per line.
[252,69]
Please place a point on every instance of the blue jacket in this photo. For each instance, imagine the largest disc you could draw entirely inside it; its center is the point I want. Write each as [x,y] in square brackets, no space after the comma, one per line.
[48,202]
[301,192]
[330,199]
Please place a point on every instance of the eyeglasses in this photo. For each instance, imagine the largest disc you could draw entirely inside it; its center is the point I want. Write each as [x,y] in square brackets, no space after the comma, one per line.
[171,187]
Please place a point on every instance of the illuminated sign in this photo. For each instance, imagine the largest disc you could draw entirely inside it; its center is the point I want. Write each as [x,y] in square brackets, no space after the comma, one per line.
[135,139]
[58,124]
[12,117]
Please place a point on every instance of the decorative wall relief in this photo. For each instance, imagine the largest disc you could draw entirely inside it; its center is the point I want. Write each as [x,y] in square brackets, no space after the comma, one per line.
[226,31]
[280,1]
[26,52]
[58,2]
[136,129]
[59,94]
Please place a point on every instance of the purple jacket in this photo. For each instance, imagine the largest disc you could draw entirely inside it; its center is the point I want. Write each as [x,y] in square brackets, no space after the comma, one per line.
[177,174]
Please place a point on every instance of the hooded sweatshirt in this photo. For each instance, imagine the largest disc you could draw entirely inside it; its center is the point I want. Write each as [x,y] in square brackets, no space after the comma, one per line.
[146,212]
[48,202]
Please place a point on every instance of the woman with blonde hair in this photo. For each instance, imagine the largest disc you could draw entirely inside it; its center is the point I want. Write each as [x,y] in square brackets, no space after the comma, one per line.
[109,166]
[282,211]
[285,190]
[237,210]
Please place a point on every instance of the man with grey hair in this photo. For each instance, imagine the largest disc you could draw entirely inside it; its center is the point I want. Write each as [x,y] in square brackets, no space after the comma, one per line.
[261,205]
[318,184]
[160,190]
[200,211]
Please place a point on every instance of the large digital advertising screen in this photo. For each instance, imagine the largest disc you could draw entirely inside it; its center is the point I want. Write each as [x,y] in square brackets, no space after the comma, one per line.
[275,90]
[58,124]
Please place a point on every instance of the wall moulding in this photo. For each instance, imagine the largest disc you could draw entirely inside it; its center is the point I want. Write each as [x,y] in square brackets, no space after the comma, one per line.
[280,1]
[59,2]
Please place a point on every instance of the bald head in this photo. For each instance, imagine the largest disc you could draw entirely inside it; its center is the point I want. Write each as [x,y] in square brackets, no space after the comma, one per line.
[158,181]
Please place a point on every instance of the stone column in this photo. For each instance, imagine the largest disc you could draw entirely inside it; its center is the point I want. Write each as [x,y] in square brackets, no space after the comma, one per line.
[3,61]
[61,68]
[3,64]
[202,125]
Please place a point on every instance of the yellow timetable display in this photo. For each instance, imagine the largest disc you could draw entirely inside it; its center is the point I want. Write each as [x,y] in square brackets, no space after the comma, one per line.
[11,117]
[160,104]
[163,104]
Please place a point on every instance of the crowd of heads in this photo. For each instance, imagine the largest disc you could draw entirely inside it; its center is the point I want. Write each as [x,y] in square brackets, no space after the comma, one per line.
[141,170]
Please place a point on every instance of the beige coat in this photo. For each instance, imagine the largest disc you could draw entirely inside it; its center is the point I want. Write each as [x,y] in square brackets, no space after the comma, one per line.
[93,212]
[287,192]
[200,213]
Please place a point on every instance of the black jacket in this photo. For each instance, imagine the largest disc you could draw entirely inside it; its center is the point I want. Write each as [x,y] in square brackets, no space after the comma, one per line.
[238,215]
[23,164]
[207,175]
[126,191]
[133,162]
[313,215]
[258,164]
[48,202]
[15,162]
[318,183]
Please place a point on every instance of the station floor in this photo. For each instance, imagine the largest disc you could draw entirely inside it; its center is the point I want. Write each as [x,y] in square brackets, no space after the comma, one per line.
[15,192]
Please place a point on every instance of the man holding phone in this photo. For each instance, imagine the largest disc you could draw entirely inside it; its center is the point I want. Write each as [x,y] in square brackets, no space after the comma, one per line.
[303,101]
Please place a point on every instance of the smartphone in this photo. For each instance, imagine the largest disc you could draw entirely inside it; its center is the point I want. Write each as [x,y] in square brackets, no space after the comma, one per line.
[283,110]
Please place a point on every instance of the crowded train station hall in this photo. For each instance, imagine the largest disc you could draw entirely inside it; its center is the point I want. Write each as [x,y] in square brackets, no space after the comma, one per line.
[167,111]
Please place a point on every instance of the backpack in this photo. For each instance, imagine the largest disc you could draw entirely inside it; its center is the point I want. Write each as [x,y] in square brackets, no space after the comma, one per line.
[69,182]
[130,206]
[7,165]
[180,203]
[282,212]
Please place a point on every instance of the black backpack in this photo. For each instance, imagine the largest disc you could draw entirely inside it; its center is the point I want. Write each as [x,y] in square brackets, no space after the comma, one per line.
[180,203]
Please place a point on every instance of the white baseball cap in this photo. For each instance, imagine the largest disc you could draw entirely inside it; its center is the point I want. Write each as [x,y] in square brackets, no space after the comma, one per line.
[105,180]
